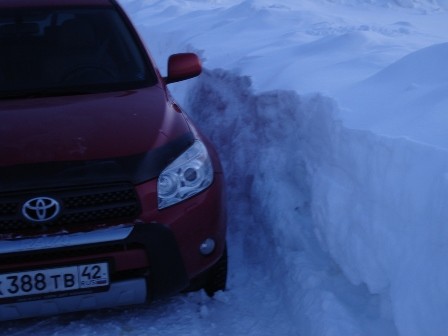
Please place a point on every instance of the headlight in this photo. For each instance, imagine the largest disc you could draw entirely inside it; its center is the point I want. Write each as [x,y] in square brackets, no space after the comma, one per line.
[186,176]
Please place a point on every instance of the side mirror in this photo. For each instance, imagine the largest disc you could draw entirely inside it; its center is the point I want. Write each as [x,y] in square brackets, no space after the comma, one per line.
[183,66]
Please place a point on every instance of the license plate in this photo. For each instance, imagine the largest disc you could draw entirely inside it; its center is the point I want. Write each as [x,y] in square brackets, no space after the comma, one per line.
[61,279]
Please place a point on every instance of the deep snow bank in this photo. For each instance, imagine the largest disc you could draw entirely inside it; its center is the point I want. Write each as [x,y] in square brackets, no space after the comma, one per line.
[267,142]
[379,206]
[420,4]
[407,98]
[375,204]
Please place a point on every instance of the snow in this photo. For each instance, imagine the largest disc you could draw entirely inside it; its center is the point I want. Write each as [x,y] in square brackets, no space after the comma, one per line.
[330,119]
[413,88]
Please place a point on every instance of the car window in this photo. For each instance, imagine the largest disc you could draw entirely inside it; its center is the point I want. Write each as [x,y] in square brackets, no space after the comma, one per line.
[63,50]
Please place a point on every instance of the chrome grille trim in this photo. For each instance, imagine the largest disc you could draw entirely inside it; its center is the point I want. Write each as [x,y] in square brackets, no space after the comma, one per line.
[109,234]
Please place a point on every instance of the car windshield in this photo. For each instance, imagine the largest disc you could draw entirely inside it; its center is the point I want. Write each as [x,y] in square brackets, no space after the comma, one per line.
[59,51]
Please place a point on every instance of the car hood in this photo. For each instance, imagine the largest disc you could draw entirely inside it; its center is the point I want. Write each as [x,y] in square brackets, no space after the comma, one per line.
[87,127]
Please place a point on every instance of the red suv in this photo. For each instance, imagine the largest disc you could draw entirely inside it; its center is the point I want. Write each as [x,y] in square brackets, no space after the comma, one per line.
[109,195]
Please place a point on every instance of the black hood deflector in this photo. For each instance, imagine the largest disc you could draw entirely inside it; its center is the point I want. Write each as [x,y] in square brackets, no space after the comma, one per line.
[135,169]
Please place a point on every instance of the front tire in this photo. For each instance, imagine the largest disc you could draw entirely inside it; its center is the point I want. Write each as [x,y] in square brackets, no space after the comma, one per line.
[216,278]
[212,280]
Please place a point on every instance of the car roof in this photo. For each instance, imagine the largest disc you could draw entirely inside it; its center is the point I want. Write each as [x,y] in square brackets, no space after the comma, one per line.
[51,3]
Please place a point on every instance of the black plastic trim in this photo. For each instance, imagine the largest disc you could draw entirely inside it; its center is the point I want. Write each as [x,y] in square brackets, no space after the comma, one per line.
[168,274]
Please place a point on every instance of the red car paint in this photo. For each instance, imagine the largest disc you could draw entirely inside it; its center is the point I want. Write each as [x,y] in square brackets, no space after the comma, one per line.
[88,127]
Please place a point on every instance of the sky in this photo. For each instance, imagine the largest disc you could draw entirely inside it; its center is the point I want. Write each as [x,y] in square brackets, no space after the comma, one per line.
[330,118]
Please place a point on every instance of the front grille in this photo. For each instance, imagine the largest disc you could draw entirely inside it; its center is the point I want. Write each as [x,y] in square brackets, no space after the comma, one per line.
[79,205]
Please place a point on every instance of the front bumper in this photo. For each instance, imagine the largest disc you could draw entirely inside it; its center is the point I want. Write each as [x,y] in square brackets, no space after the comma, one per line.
[144,260]
[147,259]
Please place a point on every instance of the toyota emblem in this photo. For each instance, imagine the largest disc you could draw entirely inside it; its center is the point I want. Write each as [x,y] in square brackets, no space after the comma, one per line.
[41,209]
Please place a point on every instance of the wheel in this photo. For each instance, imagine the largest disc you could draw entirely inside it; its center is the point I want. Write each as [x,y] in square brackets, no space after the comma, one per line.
[213,280]
[216,277]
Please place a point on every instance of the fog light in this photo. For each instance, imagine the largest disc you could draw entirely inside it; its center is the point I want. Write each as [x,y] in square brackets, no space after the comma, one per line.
[207,247]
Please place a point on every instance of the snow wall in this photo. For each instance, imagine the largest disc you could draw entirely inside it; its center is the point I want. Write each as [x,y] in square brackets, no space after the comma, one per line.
[421,4]
[297,179]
